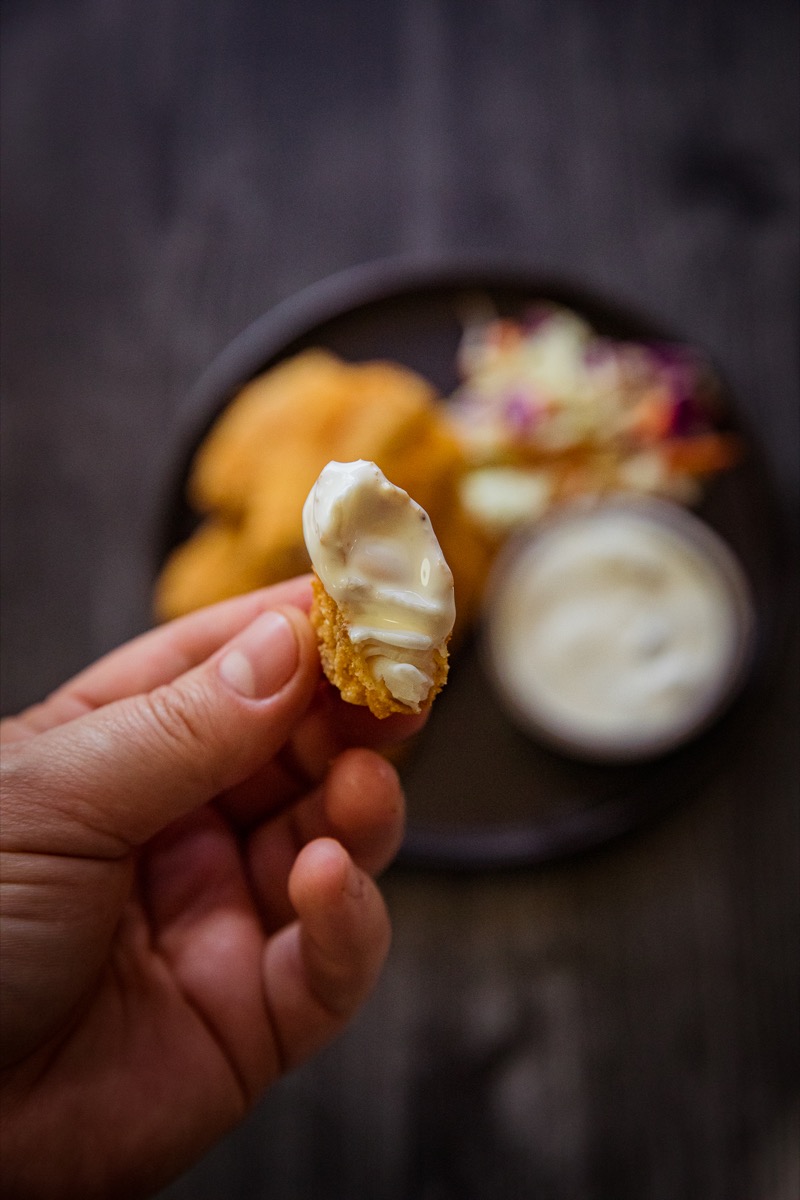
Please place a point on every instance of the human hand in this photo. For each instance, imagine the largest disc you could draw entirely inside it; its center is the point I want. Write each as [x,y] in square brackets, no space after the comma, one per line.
[186,893]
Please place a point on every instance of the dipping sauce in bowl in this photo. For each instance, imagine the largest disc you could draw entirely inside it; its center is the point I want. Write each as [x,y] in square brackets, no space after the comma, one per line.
[619,630]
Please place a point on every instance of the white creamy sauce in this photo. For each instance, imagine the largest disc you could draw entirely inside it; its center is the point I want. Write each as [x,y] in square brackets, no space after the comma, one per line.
[614,631]
[377,556]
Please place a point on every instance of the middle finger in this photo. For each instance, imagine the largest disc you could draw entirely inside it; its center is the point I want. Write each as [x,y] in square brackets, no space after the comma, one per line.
[329,726]
[360,803]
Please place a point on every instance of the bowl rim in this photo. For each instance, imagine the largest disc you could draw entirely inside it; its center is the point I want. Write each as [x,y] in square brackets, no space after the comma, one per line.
[691,531]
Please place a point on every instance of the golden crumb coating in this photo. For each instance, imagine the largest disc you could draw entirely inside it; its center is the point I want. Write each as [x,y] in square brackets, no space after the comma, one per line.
[311,403]
[346,667]
[263,416]
[208,567]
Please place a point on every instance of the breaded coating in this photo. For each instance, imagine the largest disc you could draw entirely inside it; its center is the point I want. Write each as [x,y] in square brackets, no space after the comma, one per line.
[208,567]
[346,667]
[265,417]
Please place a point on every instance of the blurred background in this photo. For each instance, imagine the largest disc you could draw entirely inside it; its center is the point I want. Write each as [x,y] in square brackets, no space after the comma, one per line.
[618,1025]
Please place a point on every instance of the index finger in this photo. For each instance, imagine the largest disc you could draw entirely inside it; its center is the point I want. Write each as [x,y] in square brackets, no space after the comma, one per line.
[158,656]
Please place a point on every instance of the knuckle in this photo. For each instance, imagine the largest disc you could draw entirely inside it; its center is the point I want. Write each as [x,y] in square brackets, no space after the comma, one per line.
[183,727]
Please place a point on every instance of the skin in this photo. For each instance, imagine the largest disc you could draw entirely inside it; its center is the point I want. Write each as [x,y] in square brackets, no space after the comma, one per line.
[187,898]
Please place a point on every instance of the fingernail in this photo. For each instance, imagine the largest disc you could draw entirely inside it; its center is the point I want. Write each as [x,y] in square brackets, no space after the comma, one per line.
[262,659]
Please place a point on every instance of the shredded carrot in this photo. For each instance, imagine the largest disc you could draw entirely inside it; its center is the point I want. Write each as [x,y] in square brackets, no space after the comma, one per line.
[702,454]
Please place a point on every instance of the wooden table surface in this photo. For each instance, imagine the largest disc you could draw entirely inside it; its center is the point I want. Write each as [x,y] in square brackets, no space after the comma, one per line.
[618,1026]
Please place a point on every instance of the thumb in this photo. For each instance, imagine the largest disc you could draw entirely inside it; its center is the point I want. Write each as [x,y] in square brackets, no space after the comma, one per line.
[111,779]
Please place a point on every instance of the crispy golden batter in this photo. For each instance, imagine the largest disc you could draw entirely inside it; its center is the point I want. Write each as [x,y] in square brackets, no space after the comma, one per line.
[210,566]
[266,417]
[345,666]
[255,468]
[307,405]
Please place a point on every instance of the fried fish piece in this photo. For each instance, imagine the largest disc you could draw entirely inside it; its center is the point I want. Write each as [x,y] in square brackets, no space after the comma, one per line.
[384,605]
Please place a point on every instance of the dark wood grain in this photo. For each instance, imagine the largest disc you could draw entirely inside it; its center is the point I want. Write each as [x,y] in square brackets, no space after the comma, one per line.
[621,1026]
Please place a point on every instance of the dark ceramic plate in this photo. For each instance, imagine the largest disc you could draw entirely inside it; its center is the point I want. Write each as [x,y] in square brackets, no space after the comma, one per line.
[480,793]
